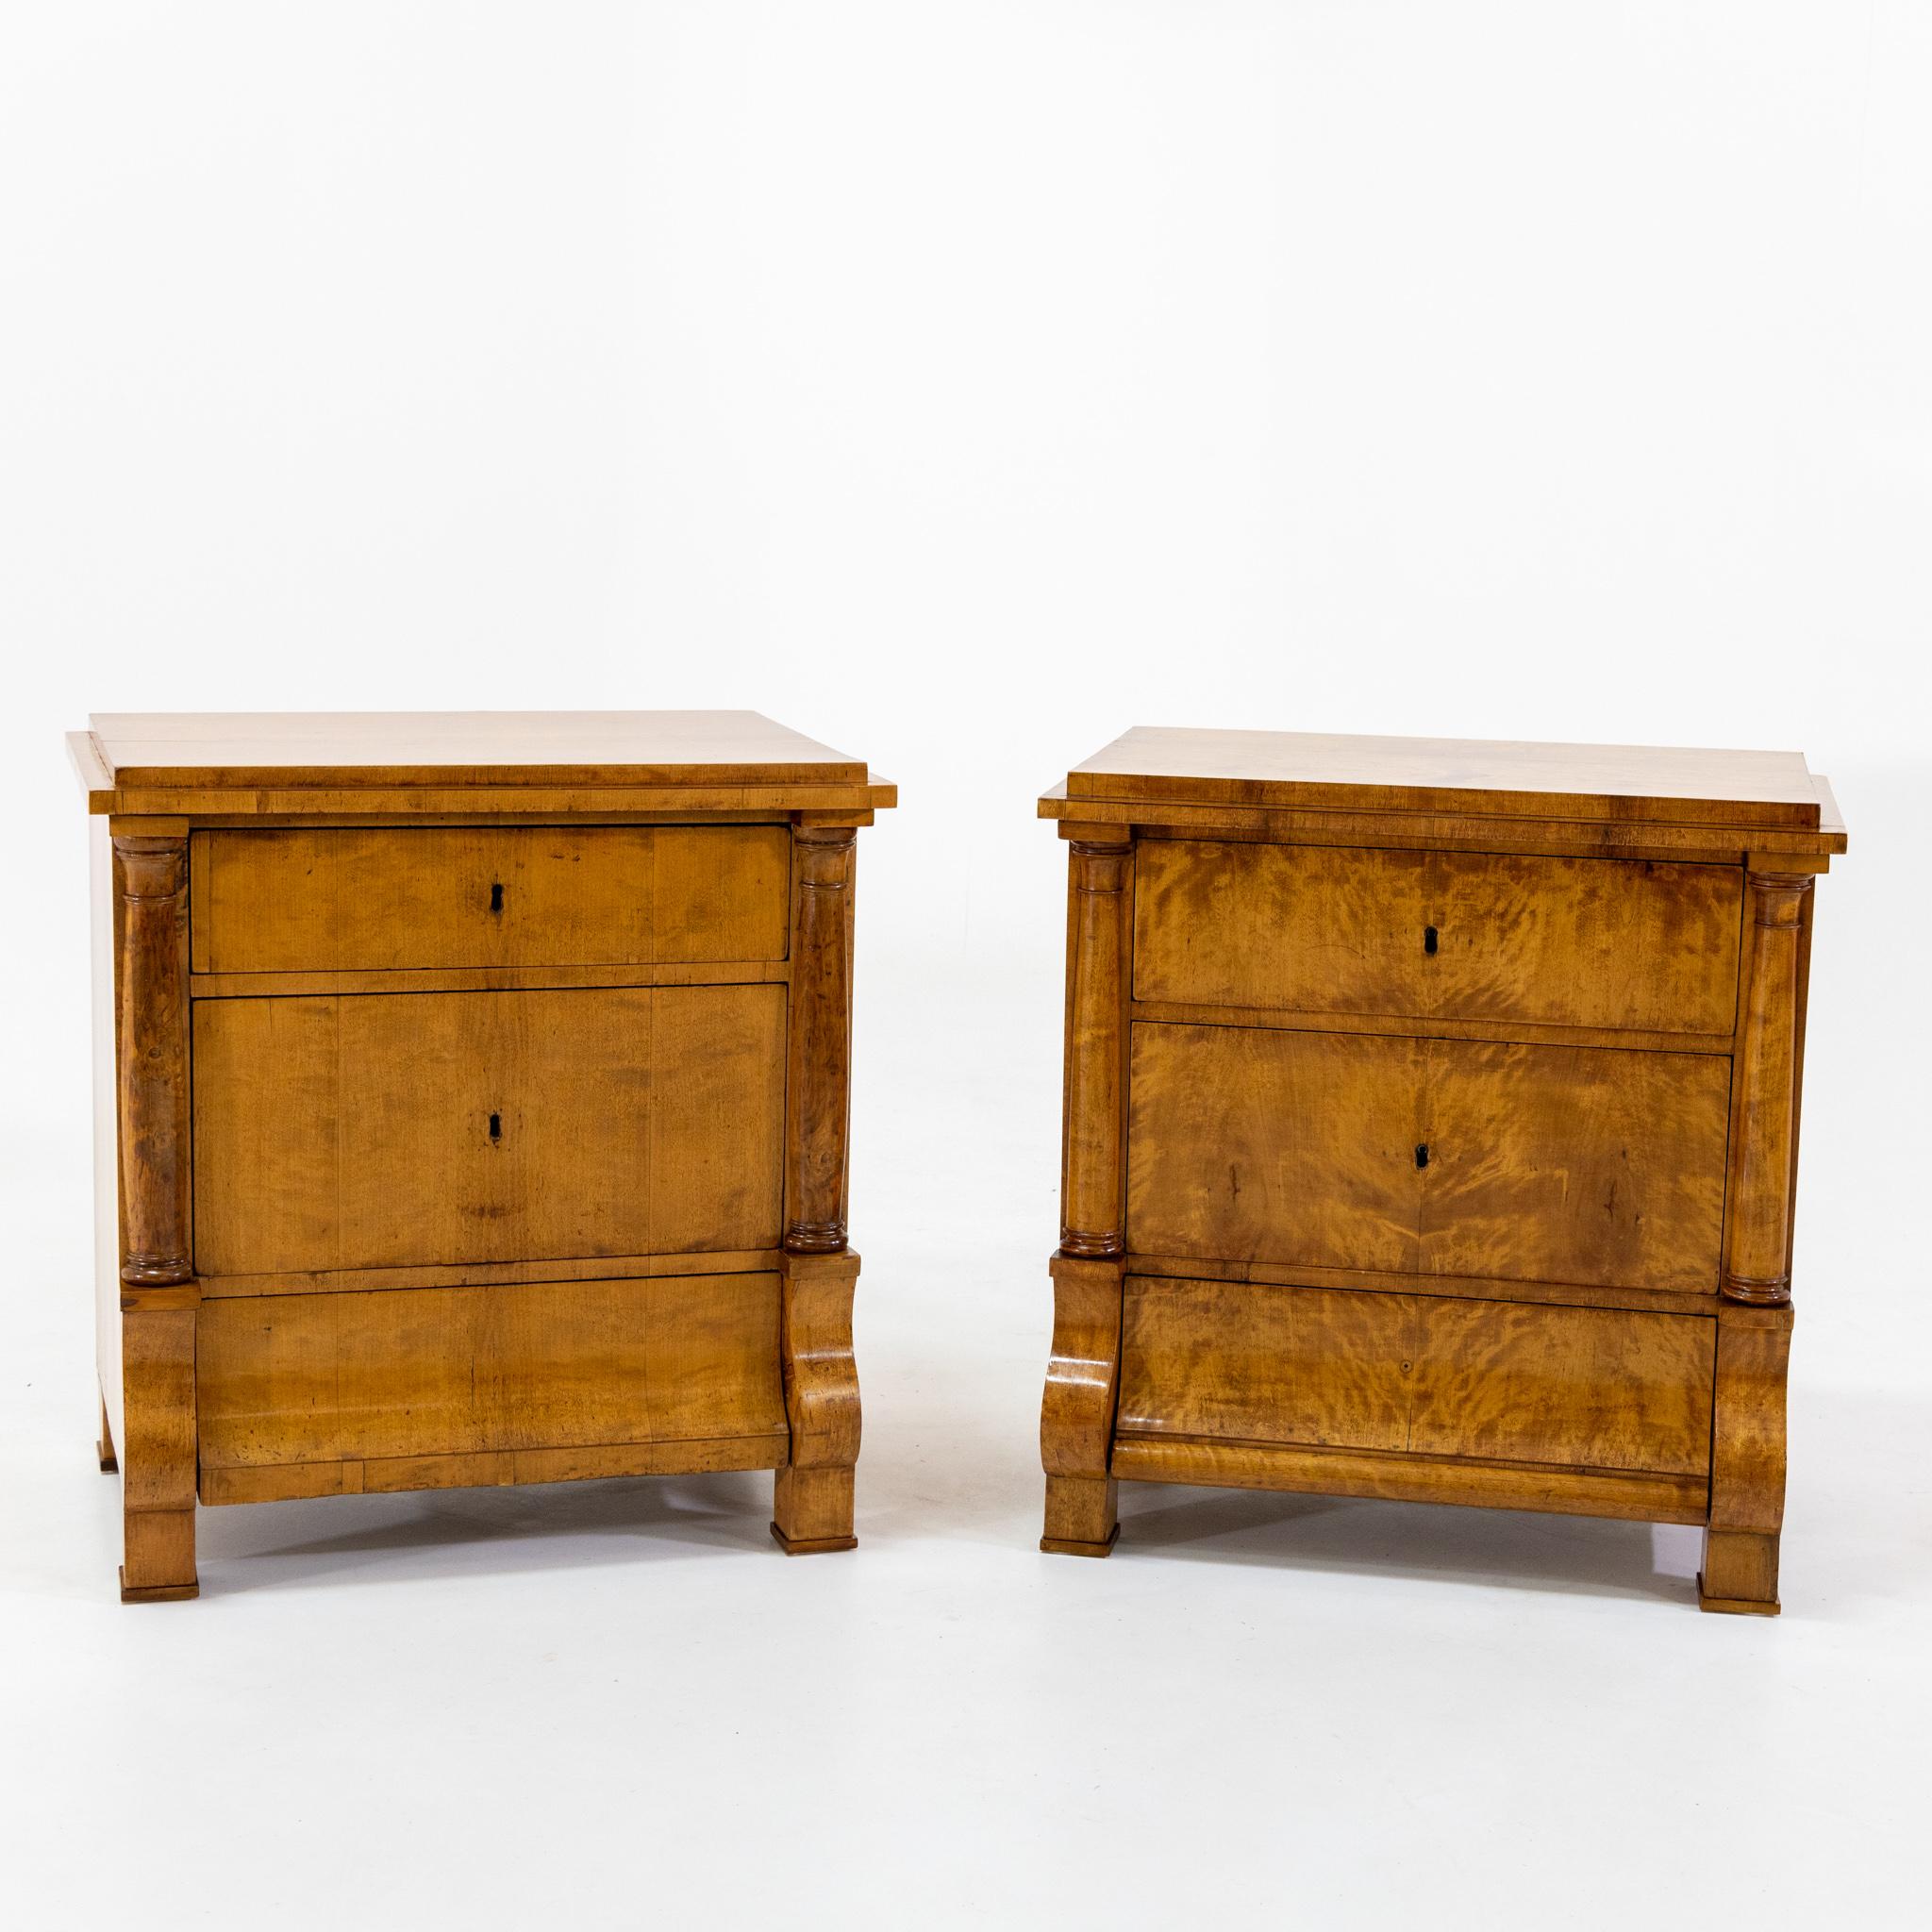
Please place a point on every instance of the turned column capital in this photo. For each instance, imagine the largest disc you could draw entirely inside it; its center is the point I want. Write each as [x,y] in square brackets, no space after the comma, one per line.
[1778,897]
[151,867]
[823,844]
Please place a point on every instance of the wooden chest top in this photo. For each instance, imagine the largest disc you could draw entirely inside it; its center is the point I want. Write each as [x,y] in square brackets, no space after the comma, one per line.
[1158,773]
[250,764]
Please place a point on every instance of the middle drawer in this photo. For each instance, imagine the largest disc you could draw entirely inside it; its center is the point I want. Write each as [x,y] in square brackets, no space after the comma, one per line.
[341,1131]
[1590,1165]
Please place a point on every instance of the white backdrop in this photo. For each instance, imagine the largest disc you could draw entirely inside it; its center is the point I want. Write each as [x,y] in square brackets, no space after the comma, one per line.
[961,384]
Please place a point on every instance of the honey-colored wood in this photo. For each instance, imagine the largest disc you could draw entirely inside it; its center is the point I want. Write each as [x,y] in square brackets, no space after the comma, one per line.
[1400,1476]
[344,899]
[1082,1516]
[398,1131]
[1493,1381]
[223,986]
[104,1447]
[286,1482]
[1553,1293]
[1739,1574]
[1368,829]
[1763,1158]
[150,969]
[1242,1362]
[1584,942]
[472,1101]
[157,1456]
[1402,1026]
[1584,1388]
[1462,1092]
[1420,774]
[461,1371]
[1100,876]
[818,1091]
[1450,1157]
[153,1059]
[104,944]
[1747,1467]
[1076,1418]
[811,1511]
[812,1495]
[385,750]
[210,808]
[486,1273]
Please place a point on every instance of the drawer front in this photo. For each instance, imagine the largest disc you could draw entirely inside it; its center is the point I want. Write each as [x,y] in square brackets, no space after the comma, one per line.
[1242,1362]
[1551,942]
[312,1378]
[350,900]
[1589,1165]
[1591,1388]
[389,1130]
[1497,1381]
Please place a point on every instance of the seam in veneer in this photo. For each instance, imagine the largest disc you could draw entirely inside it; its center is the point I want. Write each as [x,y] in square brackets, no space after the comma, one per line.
[1438,1287]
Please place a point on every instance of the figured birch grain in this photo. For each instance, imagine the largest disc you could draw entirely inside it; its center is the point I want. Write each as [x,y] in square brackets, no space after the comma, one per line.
[473,1096]
[1459,1128]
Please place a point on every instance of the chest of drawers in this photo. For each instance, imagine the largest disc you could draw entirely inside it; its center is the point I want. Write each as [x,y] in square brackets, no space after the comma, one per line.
[1431,1128]
[471,1108]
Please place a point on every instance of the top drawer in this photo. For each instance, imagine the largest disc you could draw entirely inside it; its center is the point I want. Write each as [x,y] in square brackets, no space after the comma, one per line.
[351,900]
[1608,943]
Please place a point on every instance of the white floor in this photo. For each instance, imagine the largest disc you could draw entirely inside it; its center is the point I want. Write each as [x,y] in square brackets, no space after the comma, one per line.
[618,1703]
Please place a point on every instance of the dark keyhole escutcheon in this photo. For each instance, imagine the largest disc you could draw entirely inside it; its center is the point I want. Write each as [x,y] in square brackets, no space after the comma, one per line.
[1428,939]
[496,904]
[1421,1154]
[496,1127]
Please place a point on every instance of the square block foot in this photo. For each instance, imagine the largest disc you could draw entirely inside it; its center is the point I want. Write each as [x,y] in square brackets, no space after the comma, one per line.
[1060,1546]
[1734,1606]
[105,1450]
[811,1545]
[157,1593]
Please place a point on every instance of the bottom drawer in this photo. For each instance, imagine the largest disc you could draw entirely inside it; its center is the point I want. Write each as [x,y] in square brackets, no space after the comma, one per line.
[1589,1388]
[432,1386]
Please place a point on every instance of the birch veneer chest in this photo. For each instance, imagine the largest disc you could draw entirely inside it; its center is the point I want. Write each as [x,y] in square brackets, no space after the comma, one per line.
[1431,1127]
[471,1108]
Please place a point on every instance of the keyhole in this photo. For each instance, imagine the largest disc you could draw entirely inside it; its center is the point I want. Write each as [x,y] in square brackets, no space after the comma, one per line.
[496,1127]
[1428,939]
[1421,1154]
[496,900]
